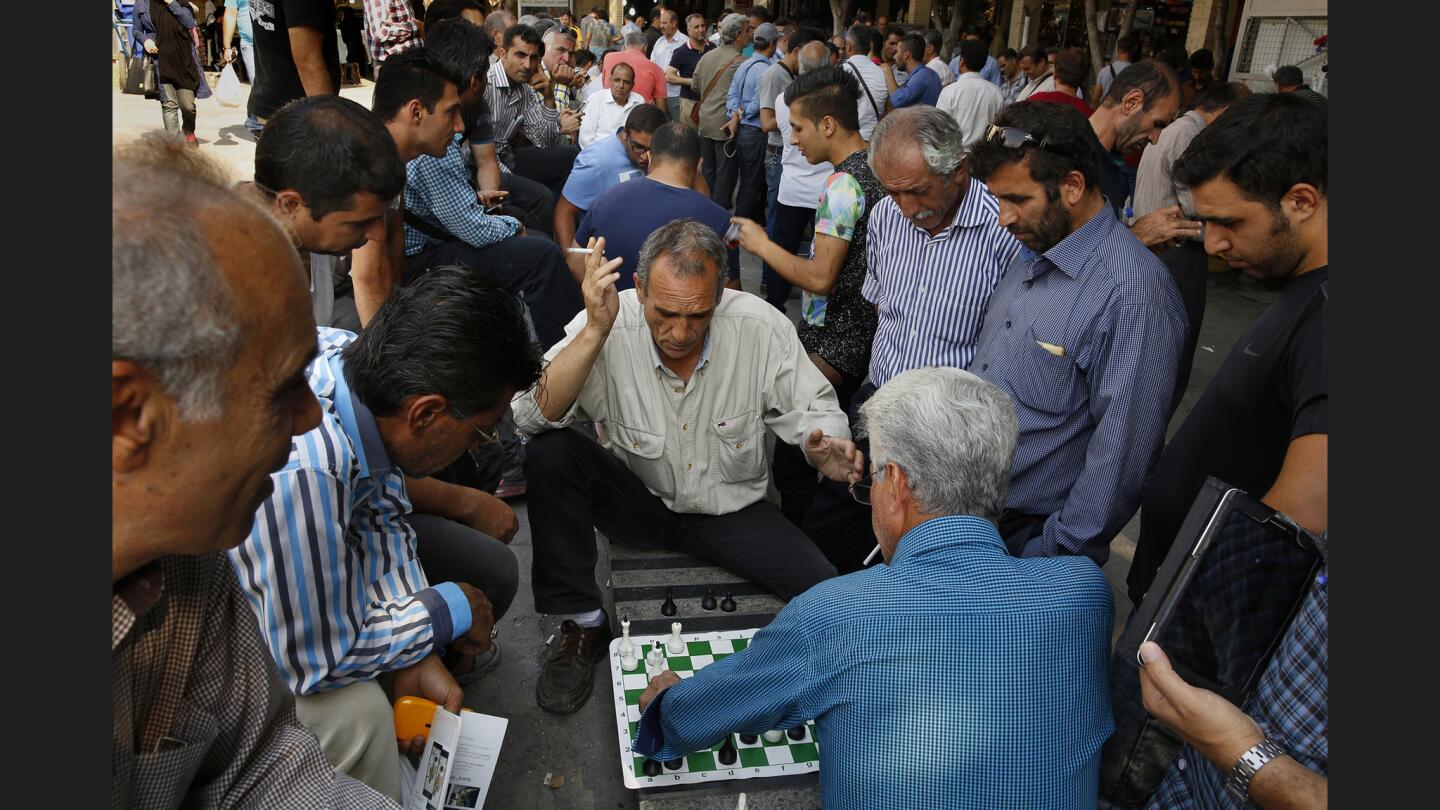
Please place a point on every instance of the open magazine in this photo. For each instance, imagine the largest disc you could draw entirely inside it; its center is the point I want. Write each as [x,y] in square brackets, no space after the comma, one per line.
[458,762]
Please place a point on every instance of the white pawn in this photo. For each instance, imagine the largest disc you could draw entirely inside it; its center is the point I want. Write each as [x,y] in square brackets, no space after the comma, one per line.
[774,736]
[627,647]
[628,660]
[654,661]
[676,644]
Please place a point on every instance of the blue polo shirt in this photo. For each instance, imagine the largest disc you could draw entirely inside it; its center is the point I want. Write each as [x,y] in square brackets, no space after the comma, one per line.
[598,168]
[923,87]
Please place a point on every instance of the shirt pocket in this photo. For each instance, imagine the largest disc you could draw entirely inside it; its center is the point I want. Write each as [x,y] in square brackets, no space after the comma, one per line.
[161,778]
[740,448]
[1041,380]
[644,453]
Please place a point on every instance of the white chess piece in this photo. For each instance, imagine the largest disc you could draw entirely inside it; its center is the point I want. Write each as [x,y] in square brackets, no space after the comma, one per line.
[774,736]
[627,647]
[676,644]
[655,660]
[628,661]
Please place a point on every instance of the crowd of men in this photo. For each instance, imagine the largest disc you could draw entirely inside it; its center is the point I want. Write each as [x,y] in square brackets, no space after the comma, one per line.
[524,265]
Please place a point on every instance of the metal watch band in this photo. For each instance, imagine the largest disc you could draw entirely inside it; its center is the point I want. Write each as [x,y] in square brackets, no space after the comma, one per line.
[1249,762]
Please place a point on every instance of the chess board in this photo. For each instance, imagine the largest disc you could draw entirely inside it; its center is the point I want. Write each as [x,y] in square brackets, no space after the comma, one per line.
[760,759]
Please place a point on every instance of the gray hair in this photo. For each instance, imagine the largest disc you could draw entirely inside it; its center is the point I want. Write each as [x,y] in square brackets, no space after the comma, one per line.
[813,56]
[171,310]
[691,244]
[731,26]
[951,432]
[634,40]
[558,32]
[938,136]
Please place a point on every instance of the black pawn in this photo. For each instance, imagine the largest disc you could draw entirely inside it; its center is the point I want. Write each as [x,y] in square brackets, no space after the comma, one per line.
[651,767]
[749,739]
[667,608]
[797,733]
[708,603]
[674,764]
[728,754]
[727,604]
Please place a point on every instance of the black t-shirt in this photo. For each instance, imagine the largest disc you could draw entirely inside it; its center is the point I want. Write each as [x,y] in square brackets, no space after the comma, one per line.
[1112,181]
[1271,389]
[277,80]
[684,60]
[652,34]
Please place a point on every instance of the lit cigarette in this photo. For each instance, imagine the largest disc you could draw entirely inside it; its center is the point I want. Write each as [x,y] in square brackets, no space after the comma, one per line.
[872,556]
[583,251]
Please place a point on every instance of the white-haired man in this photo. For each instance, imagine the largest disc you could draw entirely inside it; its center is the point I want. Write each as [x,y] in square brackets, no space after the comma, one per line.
[922,674]
[712,78]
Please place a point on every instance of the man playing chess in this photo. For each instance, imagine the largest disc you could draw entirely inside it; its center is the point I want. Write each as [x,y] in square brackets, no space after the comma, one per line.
[954,675]
[682,376]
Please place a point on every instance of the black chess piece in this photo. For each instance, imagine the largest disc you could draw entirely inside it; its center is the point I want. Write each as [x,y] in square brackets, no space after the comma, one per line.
[674,764]
[667,608]
[651,767]
[708,603]
[727,605]
[728,754]
[797,733]
[749,739]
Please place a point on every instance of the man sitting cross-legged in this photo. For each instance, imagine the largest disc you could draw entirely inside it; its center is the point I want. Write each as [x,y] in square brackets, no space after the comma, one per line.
[953,676]
[685,376]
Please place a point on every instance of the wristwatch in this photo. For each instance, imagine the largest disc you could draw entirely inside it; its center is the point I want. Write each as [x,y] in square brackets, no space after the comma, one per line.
[1246,766]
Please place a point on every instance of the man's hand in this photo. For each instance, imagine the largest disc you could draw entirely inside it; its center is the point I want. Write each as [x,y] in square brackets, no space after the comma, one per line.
[227,56]
[1210,723]
[482,621]
[569,122]
[838,459]
[490,199]
[151,48]
[658,684]
[540,83]
[1166,227]
[732,126]
[602,302]
[563,74]
[428,679]
[671,74]
[487,514]
[752,234]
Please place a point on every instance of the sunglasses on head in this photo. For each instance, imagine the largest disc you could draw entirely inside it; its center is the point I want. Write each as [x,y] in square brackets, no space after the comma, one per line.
[1013,137]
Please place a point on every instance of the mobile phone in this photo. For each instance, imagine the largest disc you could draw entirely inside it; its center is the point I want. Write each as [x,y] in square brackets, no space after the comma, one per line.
[413,716]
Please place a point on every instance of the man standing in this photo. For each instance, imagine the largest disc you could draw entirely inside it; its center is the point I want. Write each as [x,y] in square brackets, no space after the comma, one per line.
[1071,65]
[606,111]
[945,729]
[297,53]
[522,104]
[1035,64]
[971,101]
[683,60]
[618,156]
[713,76]
[991,72]
[1141,102]
[742,104]
[686,377]
[1084,332]
[1289,79]
[393,28]
[1012,78]
[787,227]
[889,48]
[934,41]
[237,20]
[873,84]
[1124,57]
[671,37]
[208,309]
[922,86]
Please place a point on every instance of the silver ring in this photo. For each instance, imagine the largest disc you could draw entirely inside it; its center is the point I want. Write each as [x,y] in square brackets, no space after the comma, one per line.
[494,631]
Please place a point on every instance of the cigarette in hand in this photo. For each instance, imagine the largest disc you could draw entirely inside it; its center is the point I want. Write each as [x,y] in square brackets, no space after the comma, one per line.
[583,251]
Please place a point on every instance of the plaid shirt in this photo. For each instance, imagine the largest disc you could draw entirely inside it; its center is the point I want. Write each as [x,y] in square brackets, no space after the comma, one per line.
[1290,705]
[514,106]
[392,26]
[1010,89]
[200,717]
[440,191]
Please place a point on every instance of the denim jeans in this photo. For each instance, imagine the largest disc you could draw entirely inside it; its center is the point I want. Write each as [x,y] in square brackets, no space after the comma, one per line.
[750,202]
[719,164]
[177,107]
[1137,755]
[785,228]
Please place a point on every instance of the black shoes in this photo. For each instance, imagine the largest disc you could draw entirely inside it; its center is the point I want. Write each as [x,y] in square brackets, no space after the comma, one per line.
[567,675]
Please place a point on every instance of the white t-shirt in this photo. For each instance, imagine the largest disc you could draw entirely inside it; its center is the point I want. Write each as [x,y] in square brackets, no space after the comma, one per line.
[800,180]
[603,116]
[660,55]
[873,78]
[942,70]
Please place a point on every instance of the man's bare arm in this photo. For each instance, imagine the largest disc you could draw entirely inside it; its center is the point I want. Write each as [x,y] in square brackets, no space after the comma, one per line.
[487,167]
[377,267]
[308,46]
[1302,488]
[567,219]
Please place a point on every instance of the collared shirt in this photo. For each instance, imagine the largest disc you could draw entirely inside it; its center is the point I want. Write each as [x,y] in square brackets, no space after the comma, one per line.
[392,26]
[990,73]
[440,191]
[685,57]
[942,70]
[1290,704]
[1107,75]
[777,77]
[973,103]
[1011,89]
[598,168]
[930,291]
[560,90]
[872,104]
[199,717]
[330,566]
[661,53]
[1092,417]
[514,106]
[721,61]
[1043,84]
[743,95]
[922,87]
[603,116]
[699,446]
[956,676]
[1153,187]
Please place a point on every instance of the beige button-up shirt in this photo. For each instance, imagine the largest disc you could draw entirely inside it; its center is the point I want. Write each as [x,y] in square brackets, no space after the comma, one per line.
[699,446]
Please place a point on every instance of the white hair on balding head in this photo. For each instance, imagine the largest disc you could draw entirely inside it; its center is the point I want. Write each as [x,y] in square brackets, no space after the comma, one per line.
[936,133]
[559,32]
[731,26]
[951,432]
[813,56]
[634,39]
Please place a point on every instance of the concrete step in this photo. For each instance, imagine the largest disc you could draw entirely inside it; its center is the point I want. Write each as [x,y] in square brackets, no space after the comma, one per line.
[637,579]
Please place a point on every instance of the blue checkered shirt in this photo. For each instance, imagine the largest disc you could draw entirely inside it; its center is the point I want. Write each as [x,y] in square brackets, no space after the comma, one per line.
[1091,420]
[439,191]
[1290,705]
[957,676]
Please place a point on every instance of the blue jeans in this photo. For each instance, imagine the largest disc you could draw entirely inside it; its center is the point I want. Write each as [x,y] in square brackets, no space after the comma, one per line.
[750,202]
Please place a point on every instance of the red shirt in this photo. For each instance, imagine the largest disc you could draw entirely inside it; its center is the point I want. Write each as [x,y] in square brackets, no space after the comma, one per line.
[649,78]
[1057,97]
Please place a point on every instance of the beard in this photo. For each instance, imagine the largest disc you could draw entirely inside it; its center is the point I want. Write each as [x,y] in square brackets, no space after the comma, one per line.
[1282,254]
[1046,231]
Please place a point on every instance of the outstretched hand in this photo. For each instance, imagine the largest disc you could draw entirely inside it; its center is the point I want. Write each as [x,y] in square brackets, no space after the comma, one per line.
[838,459]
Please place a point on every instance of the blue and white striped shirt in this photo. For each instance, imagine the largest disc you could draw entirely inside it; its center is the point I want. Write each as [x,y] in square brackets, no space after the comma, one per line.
[957,676]
[1092,418]
[439,191]
[930,291]
[330,566]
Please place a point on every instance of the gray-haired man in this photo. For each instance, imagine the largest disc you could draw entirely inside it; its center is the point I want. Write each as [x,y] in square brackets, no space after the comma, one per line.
[685,376]
[712,78]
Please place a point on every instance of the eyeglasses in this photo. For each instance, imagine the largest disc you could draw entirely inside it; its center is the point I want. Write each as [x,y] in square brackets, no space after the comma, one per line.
[860,490]
[1013,137]
[486,436]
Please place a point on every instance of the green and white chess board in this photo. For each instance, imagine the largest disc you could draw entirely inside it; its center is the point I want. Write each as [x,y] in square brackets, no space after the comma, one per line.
[759,759]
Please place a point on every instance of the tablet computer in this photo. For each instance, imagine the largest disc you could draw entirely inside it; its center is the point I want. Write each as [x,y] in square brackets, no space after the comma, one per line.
[1230,584]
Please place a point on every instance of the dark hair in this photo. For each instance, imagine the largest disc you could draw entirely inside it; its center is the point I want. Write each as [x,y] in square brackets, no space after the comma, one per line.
[1173,58]
[760,13]
[1220,95]
[1034,52]
[915,44]
[935,39]
[1202,60]
[1289,76]
[1153,79]
[1263,144]
[582,57]
[328,148]
[970,30]
[893,30]
[1071,65]
[972,54]
[452,332]
[1011,54]
[1068,138]
[802,36]
[1125,45]
[645,118]
[877,42]
[525,34]
[412,74]
[858,37]
[437,11]
[618,64]
[862,18]
[675,141]
[830,90]
[463,47]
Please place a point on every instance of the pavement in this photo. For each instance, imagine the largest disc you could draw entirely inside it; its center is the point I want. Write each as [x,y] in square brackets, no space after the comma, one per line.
[550,761]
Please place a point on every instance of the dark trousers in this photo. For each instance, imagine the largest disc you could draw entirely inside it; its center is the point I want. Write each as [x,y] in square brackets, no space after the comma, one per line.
[577,486]
[534,202]
[751,152]
[547,165]
[719,169]
[1134,760]
[529,265]
[453,552]
[1190,268]
[794,478]
[836,522]
[786,228]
